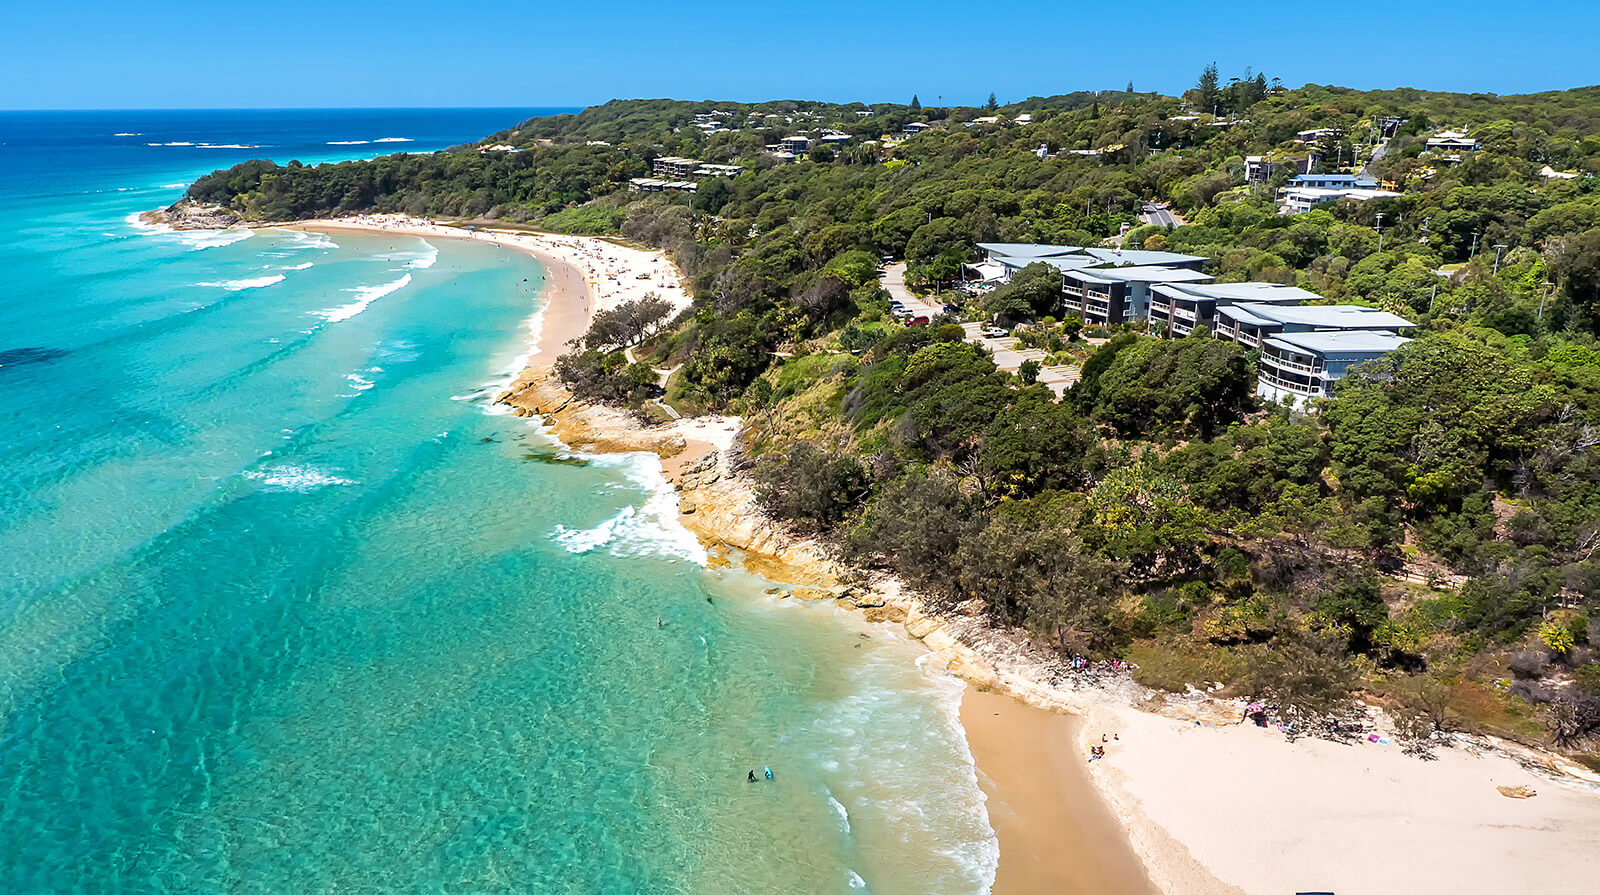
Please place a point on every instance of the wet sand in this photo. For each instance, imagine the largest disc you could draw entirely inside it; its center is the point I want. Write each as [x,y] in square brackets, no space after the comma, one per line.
[1056,833]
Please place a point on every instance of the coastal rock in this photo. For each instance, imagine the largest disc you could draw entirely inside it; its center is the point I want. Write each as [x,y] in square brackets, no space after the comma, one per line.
[187,214]
[891,614]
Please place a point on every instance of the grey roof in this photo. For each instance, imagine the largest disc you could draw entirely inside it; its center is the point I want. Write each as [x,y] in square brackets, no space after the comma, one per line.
[1028,249]
[1338,344]
[1141,256]
[1238,314]
[1070,262]
[1142,274]
[1263,293]
[1325,316]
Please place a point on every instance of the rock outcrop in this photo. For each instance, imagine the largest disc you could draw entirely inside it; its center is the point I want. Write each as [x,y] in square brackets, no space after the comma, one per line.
[187,214]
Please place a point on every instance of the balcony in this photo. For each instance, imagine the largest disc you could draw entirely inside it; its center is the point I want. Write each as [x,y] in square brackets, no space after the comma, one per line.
[1313,369]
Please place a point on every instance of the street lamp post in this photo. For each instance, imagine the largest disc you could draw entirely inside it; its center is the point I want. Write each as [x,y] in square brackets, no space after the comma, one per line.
[1474,250]
[1547,285]
[1498,248]
[1380,231]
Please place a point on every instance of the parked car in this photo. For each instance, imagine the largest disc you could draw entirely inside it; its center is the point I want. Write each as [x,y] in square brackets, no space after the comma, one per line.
[919,320]
[951,309]
[902,312]
[995,332]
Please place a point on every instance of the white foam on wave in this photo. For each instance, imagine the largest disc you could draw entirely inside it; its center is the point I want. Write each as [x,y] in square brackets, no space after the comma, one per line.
[420,259]
[128,134]
[229,146]
[348,142]
[840,812]
[393,140]
[649,529]
[366,295]
[251,283]
[303,479]
[174,186]
[859,741]
[305,266]
[853,879]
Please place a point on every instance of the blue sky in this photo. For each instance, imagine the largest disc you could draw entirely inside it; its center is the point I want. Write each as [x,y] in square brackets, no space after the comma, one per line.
[358,53]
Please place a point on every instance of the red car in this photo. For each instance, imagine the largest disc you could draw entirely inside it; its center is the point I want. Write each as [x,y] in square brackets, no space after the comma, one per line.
[919,320]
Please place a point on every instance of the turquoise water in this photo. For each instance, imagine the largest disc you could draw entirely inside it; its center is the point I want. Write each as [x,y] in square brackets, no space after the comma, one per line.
[288,607]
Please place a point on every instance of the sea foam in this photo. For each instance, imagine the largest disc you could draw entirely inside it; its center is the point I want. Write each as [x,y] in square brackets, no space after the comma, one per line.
[302,479]
[251,283]
[366,295]
[649,529]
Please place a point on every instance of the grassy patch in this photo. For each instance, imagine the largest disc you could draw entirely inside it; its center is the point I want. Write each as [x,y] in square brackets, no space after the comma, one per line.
[1171,666]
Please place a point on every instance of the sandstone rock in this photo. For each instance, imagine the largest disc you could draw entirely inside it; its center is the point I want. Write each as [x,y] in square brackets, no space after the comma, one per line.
[881,613]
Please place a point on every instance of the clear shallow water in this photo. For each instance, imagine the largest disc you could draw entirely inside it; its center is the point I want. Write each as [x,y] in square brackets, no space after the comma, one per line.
[285,605]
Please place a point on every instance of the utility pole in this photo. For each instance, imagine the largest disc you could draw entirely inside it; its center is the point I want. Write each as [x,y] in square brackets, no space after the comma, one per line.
[1498,248]
[1474,250]
[1547,285]
[1380,231]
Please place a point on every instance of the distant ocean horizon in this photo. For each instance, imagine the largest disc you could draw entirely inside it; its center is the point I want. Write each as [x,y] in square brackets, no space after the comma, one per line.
[289,605]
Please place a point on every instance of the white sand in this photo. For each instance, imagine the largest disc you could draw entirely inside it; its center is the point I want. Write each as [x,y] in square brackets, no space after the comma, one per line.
[1263,815]
[614,273]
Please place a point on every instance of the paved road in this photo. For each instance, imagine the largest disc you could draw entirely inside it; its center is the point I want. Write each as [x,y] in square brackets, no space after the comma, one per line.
[1377,153]
[894,282]
[1155,213]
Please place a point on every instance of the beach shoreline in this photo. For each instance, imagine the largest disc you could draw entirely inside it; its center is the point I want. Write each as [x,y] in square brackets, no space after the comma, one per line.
[1203,803]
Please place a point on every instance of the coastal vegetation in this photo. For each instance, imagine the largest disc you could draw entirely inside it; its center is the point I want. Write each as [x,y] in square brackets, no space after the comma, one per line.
[1427,536]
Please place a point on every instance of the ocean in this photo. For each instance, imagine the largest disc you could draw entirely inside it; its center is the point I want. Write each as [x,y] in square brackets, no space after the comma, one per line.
[288,606]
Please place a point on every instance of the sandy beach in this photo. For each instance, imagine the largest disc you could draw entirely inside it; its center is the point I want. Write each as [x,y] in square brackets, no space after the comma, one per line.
[1175,806]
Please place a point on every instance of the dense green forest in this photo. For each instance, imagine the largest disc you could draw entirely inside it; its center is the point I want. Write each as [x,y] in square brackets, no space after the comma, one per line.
[1427,536]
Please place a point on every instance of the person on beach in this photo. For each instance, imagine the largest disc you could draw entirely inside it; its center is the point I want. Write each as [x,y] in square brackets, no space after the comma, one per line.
[752,776]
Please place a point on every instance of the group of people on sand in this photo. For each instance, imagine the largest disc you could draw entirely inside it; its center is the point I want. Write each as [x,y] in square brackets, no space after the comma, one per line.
[1099,751]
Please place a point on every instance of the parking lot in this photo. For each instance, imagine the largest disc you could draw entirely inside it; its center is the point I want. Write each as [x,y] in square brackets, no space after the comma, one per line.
[1058,378]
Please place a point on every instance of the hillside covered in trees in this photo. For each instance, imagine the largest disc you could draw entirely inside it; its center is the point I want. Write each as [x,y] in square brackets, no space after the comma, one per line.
[1428,535]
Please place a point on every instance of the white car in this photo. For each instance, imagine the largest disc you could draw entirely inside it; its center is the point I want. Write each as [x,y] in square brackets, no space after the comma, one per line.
[994,332]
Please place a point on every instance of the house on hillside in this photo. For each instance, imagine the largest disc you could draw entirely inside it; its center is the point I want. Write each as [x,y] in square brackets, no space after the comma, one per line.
[1451,141]
[1251,323]
[1105,296]
[673,167]
[1317,135]
[1305,365]
[916,127]
[1180,308]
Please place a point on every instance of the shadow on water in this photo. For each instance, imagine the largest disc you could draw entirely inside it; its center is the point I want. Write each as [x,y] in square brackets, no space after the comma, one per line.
[16,357]
[555,458]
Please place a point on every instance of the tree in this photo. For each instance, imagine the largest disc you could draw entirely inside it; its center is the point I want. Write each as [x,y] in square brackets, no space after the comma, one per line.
[1033,291]
[916,104]
[627,323]
[808,487]
[1207,94]
[1029,372]
[992,104]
